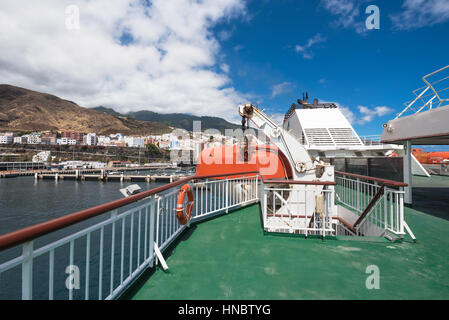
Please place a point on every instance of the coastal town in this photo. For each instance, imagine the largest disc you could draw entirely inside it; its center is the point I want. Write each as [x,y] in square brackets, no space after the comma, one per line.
[167,141]
[47,144]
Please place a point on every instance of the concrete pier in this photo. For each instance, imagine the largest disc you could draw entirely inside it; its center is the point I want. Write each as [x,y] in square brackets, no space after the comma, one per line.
[19,173]
[108,177]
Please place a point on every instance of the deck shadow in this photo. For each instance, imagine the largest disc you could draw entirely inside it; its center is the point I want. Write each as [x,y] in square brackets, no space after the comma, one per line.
[433,201]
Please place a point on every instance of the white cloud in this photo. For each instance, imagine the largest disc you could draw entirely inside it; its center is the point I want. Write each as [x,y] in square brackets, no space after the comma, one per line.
[167,64]
[421,13]
[350,116]
[304,49]
[281,88]
[278,118]
[347,12]
[225,35]
[224,67]
[238,47]
[367,114]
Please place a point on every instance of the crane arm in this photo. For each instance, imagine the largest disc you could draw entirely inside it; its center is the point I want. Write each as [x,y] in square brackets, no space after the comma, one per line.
[296,154]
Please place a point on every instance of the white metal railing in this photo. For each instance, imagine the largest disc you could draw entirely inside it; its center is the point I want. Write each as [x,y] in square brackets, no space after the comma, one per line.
[293,208]
[378,203]
[355,193]
[101,259]
[386,215]
[371,140]
[433,95]
[222,195]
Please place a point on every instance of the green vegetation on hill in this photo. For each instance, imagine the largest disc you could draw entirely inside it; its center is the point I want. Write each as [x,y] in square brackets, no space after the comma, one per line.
[176,120]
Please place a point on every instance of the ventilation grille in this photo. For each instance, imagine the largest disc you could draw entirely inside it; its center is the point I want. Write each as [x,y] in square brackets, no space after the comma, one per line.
[319,137]
[331,137]
[344,136]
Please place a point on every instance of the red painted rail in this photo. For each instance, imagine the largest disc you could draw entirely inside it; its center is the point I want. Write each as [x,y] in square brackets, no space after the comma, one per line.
[315,183]
[27,234]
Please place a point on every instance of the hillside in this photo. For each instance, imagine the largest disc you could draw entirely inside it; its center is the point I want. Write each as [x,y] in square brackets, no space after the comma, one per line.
[26,110]
[177,120]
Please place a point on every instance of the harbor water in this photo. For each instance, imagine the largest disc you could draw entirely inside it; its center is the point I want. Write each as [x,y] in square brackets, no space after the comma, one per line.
[25,201]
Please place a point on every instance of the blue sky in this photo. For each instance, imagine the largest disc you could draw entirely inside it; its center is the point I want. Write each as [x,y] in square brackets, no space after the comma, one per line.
[369,68]
[204,57]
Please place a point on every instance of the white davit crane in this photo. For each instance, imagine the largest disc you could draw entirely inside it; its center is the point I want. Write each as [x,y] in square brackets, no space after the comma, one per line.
[305,168]
[301,201]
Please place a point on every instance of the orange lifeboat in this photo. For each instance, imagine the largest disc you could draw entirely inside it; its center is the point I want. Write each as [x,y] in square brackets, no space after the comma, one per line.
[268,160]
[430,157]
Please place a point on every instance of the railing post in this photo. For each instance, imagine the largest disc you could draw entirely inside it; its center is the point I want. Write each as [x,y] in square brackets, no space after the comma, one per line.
[358,194]
[27,271]
[325,213]
[387,191]
[257,186]
[265,201]
[323,224]
[151,246]
[158,206]
[227,194]
[242,191]
[114,214]
[401,210]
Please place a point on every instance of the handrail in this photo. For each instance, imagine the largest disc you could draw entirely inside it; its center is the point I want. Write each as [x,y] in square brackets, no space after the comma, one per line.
[370,205]
[434,94]
[386,182]
[29,233]
[316,183]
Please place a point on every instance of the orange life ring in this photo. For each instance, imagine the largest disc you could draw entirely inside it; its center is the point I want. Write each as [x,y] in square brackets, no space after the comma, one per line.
[184,214]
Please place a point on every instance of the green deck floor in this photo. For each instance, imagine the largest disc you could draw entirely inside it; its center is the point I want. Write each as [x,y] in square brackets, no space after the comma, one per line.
[230,258]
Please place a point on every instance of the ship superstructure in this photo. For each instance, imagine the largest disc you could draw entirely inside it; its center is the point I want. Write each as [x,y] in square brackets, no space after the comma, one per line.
[326,133]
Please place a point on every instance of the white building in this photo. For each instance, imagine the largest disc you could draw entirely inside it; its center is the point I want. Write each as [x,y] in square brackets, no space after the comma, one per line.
[63,141]
[43,156]
[134,142]
[71,165]
[95,165]
[164,144]
[166,137]
[20,140]
[72,142]
[34,139]
[4,139]
[103,141]
[91,139]
[117,136]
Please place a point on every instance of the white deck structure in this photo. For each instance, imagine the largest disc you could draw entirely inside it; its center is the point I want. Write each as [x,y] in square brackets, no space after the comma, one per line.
[325,132]
[424,121]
